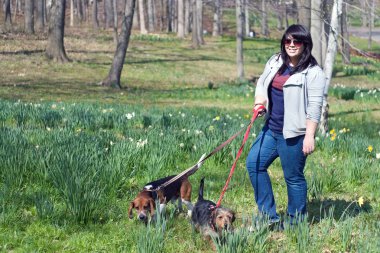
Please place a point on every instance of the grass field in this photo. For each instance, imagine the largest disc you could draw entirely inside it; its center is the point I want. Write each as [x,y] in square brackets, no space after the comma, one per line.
[73,154]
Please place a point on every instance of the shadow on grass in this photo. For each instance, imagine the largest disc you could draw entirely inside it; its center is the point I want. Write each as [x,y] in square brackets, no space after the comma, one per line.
[338,209]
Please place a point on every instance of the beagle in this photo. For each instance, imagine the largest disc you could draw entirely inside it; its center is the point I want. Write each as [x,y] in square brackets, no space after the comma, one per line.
[145,201]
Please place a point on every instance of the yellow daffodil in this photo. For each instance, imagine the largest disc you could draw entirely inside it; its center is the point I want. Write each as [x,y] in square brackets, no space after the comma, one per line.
[333,137]
[211,128]
[332,131]
[217,118]
[361,201]
[370,148]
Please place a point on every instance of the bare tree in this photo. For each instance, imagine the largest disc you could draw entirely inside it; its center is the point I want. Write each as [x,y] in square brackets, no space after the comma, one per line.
[345,36]
[108,12]
[246,18]
[79,10]
[8,15]
[217,22]
[371,21]
[316,30]
[40,19]
[199,17]
[181,19]
[187,17]
[95,20]
[72,12]
[151,19]
[115,34]
[55,45]
[264,19]
[304,12]
[29,16]
[113,78]
[194,31]
[239,38]
[330,58]
[142,17]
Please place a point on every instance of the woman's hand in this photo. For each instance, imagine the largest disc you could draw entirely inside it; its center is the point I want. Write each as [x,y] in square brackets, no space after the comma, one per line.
[308,144]
[262,110]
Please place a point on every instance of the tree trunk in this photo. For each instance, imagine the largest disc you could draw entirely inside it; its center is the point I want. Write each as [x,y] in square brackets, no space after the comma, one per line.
[345,36]
[363,6]
[79,10]
[181,20]
[330,59]
[217,24]
[194,30]
[113,78]
[142,17]
[95,20]
[8,15]
[115,34]
[55,45]
[150,16]
[109,22]
[247,25]
[40,20]
[316,30]
[187,17]
[29,16]
[304,13]
[371,21]
[72,13]
[136,19]
[239,38]
[264,19]
[200,21]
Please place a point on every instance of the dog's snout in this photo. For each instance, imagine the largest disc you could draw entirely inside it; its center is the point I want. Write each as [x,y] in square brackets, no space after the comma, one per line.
[226,226]
[142,217]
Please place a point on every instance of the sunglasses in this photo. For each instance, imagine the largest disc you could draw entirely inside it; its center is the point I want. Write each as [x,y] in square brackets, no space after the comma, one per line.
[296,43]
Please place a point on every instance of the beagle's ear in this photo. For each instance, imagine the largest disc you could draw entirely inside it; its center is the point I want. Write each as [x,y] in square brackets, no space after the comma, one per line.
[131,206]
[152,206]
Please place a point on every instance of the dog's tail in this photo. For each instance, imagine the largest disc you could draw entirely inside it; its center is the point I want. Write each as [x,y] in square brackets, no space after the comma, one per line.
[201,185]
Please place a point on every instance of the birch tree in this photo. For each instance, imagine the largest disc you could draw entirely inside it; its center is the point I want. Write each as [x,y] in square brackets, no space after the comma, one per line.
[151,18]
[345,37]
[239,38]
[113,78]
[330,59]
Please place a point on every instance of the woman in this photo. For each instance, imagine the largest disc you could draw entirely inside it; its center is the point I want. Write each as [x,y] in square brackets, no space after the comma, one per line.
[291,89]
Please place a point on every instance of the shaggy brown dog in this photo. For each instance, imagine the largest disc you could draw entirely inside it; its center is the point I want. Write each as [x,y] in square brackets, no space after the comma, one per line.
[209,219]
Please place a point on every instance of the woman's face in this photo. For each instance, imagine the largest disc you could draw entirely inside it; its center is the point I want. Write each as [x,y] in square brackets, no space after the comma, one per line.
[294,48]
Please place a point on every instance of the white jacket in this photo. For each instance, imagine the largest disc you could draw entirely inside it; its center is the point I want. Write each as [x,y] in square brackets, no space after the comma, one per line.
[303,95]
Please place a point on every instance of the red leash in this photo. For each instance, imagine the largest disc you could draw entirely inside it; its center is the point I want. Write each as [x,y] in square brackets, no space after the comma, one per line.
[246,135]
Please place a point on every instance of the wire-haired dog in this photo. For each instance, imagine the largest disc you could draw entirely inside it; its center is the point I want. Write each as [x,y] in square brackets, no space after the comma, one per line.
[209,219]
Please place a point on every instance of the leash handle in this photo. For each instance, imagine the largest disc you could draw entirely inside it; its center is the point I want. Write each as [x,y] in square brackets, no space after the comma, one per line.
[256,112]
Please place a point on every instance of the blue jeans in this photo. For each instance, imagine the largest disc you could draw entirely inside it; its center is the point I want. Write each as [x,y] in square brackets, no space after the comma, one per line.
[267,147]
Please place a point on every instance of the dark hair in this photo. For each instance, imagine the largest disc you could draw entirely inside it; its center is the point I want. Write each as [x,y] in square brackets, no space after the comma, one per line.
[298,32]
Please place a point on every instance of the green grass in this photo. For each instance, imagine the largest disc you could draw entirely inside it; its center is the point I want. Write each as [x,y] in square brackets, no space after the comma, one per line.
[73,154]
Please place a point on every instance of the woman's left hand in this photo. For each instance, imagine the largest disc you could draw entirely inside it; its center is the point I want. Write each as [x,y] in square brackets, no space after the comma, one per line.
[308,144]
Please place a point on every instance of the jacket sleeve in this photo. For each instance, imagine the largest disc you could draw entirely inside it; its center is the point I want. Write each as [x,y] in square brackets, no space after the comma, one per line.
[315,85]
